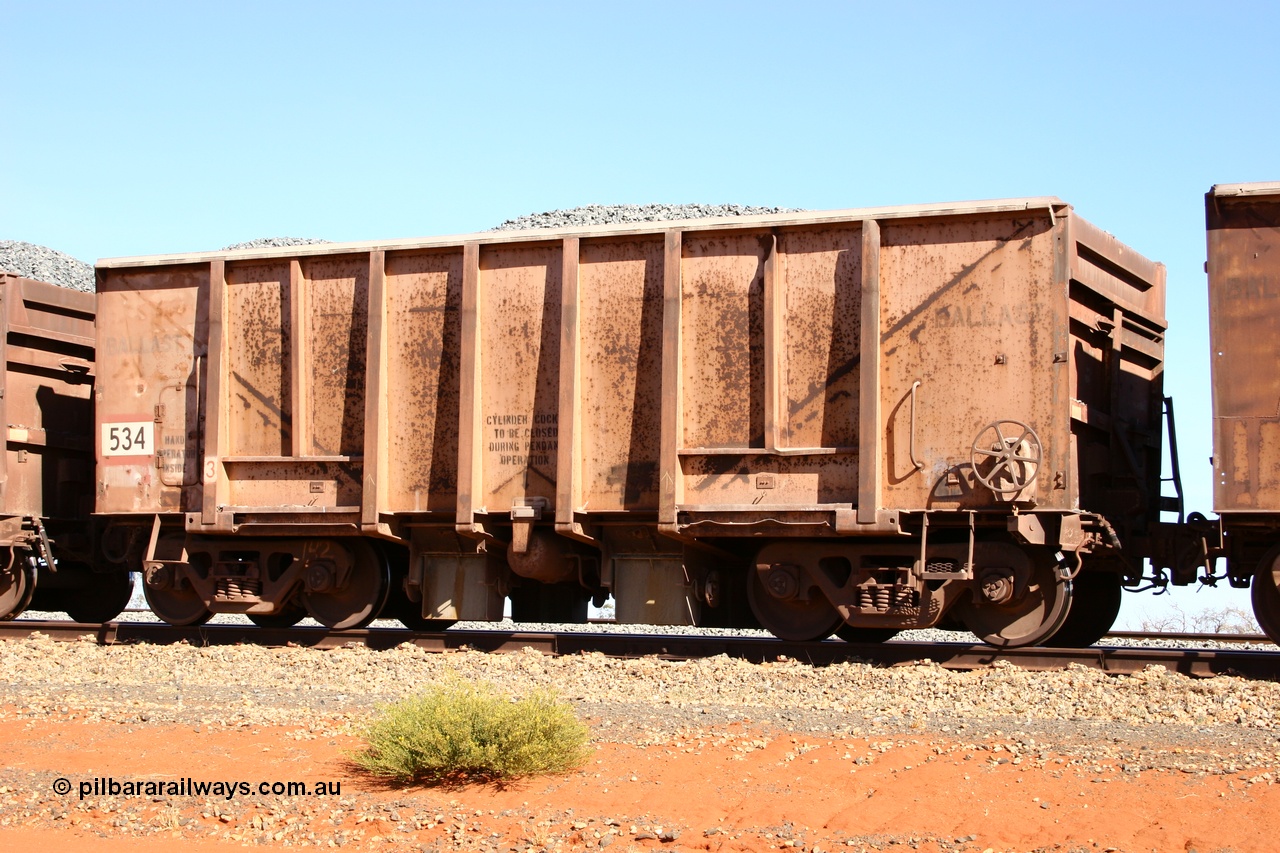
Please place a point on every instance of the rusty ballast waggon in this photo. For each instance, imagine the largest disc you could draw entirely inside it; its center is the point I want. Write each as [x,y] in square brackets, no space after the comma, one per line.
[1243,228]
[46,471]
[856,421]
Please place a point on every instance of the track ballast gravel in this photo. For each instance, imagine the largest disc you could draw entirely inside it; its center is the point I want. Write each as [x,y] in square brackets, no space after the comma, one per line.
[289,684]
[1080,722]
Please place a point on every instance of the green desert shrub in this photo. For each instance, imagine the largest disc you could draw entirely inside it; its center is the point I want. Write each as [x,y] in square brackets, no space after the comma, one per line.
[461,731]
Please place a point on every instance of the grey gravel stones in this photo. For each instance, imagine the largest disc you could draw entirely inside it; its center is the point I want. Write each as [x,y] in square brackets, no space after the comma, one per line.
[44,264]
[611,214]
[294,682]
[1081,724]
[273,242]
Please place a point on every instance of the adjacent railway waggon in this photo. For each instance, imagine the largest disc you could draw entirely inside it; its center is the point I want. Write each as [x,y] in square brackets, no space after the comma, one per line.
[47,468]
[850,422]
[1243,223]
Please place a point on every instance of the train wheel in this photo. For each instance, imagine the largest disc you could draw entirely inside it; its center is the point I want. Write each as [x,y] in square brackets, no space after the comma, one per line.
[1265,593]
[787,614]
[850,634]
[172,598]
[102,598]
[1001,615]
[1095,604]
[360,600]
[17,586]
[291,614]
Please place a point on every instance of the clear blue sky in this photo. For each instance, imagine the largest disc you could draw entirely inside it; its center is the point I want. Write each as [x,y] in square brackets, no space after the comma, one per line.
[138,128]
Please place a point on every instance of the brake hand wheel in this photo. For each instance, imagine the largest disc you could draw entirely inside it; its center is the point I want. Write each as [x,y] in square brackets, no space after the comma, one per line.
[1012,450]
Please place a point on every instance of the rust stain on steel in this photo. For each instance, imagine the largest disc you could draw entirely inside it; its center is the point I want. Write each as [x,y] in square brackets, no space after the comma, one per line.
[620,318]
[957,276]
[423,343]
[520,363]
[957,297]
[723,340]
[1244,331]
[337,329]
[153,330]
[799,480]
[819,275]
[823,281]
[259,418]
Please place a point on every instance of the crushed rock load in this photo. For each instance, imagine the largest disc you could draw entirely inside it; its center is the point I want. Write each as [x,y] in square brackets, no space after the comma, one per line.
[44,264]
[273,242]
[612,214]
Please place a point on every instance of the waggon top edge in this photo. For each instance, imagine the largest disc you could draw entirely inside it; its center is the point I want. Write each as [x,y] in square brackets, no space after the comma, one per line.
[815,217]
[1257,188]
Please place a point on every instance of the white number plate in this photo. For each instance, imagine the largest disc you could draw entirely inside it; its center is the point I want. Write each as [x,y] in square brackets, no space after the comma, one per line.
[129,439]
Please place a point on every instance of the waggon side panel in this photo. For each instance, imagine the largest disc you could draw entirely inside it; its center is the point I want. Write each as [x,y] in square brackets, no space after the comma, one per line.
[968,309]
[1116,354]
[296,337]
[47,351]
[260,418]
[337,302]
[696,365]
[520,290]
[821,291]
[770,324]
[723,340]
[152,338]
[423,332]
[619,317]
[1244,336]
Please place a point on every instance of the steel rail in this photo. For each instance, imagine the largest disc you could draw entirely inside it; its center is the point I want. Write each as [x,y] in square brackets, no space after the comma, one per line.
[957,656]
[1189,637]
[1174,636]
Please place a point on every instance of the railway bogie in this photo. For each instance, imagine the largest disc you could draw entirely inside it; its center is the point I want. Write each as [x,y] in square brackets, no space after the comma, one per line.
[340,582]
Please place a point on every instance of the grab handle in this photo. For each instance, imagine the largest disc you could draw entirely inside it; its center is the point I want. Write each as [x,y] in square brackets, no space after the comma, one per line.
[911,448]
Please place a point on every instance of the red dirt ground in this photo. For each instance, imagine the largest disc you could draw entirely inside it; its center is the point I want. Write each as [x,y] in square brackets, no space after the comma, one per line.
[920,791]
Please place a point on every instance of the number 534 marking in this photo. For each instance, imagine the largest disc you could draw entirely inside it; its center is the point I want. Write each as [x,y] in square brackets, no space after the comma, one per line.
[129,439]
